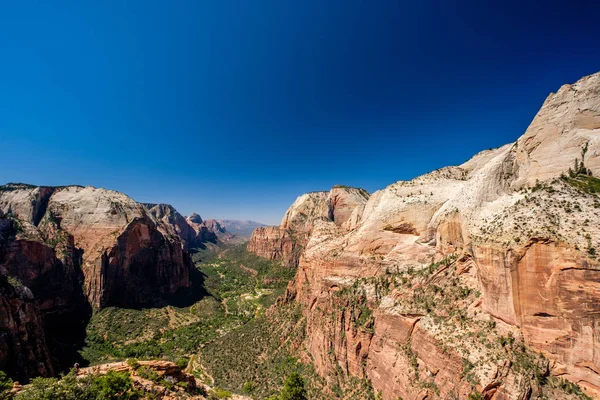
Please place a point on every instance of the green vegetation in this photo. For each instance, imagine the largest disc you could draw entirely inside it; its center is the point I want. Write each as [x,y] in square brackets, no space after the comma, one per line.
[218,393]
[11,186]
[112,386]
[585,183]
[580,177]
[293,388]
[475,396]
[260,352]
[240,285]
[362,191]
[5,385]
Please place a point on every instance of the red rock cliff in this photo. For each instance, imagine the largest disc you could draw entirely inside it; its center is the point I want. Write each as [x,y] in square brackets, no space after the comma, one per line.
[478,278]
[115,238]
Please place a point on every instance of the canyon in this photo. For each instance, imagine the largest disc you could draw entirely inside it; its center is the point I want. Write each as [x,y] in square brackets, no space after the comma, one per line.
[66,251]
[476,281]
[478,278]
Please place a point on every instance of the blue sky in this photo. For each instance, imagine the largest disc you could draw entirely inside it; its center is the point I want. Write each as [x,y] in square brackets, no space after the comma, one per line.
[233,108]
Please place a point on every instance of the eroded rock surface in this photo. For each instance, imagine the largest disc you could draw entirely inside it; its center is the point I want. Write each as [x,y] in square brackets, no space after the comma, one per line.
[342,206]
[117,243]
[478,278]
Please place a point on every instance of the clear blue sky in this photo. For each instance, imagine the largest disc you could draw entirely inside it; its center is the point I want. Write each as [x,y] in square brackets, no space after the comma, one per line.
[234,108]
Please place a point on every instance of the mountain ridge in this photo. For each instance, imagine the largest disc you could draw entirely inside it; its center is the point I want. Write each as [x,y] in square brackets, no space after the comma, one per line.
[401,292]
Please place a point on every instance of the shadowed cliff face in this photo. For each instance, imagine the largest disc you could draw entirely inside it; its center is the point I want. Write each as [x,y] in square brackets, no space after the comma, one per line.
[141,266]
[48,266]
[128,256]
[23,350]
[72,249]
[477,278]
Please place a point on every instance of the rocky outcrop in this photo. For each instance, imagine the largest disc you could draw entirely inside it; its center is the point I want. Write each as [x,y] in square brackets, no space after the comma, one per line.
[343,206]
[73,248]
[143,265]
[46,262]
[477,278]
[164,370]
[346,205]
[110,236]
[193,231]
[567,121]
[272,242]
[175,222]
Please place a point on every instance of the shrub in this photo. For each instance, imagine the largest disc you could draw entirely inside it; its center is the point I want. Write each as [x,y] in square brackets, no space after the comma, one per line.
[133,363]
[248,387]
[475,396]
[183,362]
[40,389]
[293,388]
[219,393]
[148,373]
[114,386]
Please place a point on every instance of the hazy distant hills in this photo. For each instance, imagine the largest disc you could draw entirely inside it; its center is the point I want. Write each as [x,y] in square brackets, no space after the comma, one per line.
[240,228]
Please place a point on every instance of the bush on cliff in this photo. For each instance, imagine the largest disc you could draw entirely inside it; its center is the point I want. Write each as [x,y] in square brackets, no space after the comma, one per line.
[293,388]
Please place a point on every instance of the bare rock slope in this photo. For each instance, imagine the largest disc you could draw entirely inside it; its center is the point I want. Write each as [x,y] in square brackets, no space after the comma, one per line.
[478,278]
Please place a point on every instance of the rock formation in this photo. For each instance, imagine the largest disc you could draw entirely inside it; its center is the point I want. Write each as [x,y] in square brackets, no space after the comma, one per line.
[121,245]
[271,242]
[73,248]
[45,264]
[477,278]
[342,206]
[193,231]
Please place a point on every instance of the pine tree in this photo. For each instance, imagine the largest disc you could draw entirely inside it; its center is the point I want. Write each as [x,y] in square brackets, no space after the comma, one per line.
[293,388]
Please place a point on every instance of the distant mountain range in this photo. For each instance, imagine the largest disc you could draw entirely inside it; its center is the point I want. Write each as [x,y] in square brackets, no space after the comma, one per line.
[242,229]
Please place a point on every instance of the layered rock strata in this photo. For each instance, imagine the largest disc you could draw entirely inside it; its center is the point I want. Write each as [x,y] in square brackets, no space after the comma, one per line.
[478,278]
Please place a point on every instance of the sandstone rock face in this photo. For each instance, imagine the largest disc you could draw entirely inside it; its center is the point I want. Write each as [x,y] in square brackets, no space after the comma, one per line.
[305,210]
[114,237]
[73,248]
[175,222]
[141,266]
[271,242]
[46,262]
[346,204]
[342,206]
[568,120]
[479,277]
[193,231]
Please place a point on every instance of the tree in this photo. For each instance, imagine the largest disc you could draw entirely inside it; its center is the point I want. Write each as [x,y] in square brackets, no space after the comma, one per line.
[293,388]
[40,389]
[113,386]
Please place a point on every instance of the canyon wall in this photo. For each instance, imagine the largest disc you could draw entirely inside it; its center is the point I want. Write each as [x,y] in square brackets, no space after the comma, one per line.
[480,278]
[72,249]
[120,244]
